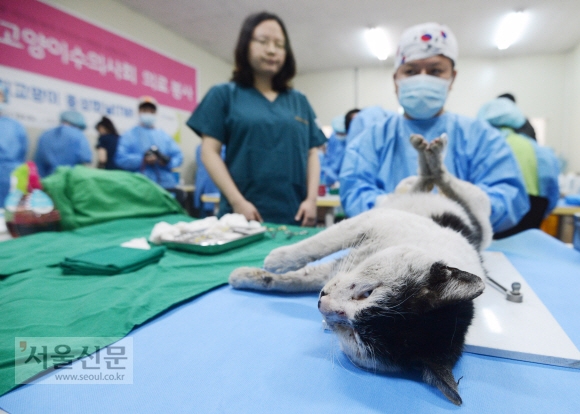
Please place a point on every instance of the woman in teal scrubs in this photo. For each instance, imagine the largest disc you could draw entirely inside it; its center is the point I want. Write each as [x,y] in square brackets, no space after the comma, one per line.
[271,167]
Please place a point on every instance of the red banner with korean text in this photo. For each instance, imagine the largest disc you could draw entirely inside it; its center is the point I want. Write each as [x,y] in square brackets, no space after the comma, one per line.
[42,39]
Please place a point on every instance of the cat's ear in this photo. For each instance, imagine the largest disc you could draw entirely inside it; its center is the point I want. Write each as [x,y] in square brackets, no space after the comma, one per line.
[441,376]
[448,285]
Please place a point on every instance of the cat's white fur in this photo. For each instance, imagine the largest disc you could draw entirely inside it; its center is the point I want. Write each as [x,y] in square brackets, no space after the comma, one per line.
[389,244]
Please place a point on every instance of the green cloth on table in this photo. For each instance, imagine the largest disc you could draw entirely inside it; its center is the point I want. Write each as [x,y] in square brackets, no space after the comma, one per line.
[111,260]
[42,302]
[86,196]
[44,249]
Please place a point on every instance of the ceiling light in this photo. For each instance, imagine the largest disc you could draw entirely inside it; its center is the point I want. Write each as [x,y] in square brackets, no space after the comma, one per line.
[378,42]
[510,29]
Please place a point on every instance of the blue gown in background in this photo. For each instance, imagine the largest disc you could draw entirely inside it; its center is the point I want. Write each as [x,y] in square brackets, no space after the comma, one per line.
[132,147]
[64,145]
[548,172]
[331,161]
[381,156]
[13,147]
[365,119]
[204,184]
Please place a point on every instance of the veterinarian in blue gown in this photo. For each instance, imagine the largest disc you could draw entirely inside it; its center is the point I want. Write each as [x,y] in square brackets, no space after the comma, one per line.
[365,119]
[148,150]
[271,169]
[13,145]
[64,145]
[381,156]
[332,159]
[539,165]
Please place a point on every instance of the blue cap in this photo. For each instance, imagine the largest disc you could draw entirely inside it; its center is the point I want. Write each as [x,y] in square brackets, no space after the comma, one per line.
[502,112]
[74,118]
[337,124]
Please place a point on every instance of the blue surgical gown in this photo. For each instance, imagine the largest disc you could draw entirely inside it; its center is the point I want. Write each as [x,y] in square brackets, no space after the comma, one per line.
[365,119]
[267,145]
[380,157]
[332,159]
[203,184]
[132,147]
[63,145]
[13,146]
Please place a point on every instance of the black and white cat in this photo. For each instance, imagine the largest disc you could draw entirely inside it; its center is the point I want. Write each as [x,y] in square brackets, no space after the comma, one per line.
[402,297]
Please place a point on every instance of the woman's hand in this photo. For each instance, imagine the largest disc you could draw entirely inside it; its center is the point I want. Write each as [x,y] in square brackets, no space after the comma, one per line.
[249,211]
[307,213]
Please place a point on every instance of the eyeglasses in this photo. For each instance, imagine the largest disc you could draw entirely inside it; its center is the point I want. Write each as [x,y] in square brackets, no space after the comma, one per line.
[266,42]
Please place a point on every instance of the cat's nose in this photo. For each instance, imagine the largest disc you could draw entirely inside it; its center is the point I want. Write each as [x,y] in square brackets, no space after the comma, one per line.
[322,293]
[324,306]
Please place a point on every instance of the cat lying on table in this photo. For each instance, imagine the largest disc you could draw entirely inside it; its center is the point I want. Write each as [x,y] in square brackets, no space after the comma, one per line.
[402,297]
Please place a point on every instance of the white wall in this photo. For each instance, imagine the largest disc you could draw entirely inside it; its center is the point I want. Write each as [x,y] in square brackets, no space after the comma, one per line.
[571,130]
[546,86]
[126,22]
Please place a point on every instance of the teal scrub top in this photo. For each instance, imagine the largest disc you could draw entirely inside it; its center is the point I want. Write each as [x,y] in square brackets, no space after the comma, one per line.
[267,145]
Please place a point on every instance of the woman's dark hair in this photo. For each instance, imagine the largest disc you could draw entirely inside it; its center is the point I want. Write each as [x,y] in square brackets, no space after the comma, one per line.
[243,72]
[349,117]
[108,125]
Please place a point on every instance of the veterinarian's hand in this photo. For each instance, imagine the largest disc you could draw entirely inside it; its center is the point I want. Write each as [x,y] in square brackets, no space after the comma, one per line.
[249,211]
[307,213]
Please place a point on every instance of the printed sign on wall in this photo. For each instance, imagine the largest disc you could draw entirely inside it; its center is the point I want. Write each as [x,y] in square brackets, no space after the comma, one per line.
[39,38]
[52,61]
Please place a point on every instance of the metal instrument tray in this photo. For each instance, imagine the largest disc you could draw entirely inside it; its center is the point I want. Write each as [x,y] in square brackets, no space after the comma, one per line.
[198,242]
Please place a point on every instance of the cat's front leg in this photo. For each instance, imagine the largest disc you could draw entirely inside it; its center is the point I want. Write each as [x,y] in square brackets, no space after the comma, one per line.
[307,279]
[340,236]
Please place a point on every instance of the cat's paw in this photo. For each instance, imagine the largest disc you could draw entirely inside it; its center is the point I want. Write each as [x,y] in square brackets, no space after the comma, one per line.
[251,278]
[438,145]
[434,156]
[418,142]
[282,260]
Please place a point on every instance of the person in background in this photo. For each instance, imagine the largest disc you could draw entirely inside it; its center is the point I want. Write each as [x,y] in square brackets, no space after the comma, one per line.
[364,119]
[148,150]
[203,185]
[526,128]
[539,165]
[378,158]
[107,144]
[271,170]
[64,145]
[331,158]
[350,115]
[13,145]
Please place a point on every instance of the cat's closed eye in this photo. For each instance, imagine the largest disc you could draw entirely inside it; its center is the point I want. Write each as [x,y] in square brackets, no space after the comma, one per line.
[363,295]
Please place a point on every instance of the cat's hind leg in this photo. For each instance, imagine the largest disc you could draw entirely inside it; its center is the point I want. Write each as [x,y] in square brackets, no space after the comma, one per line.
[424,182]
[306,279]
[472,198]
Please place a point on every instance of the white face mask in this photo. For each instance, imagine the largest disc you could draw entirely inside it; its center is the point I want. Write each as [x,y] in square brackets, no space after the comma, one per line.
[3,107]
[147,119]
[423,96]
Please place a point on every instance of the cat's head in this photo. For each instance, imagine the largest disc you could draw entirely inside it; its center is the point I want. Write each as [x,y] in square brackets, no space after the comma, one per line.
[401,309]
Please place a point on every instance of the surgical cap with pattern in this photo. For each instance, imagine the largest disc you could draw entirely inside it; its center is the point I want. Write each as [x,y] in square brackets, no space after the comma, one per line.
[424,41]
